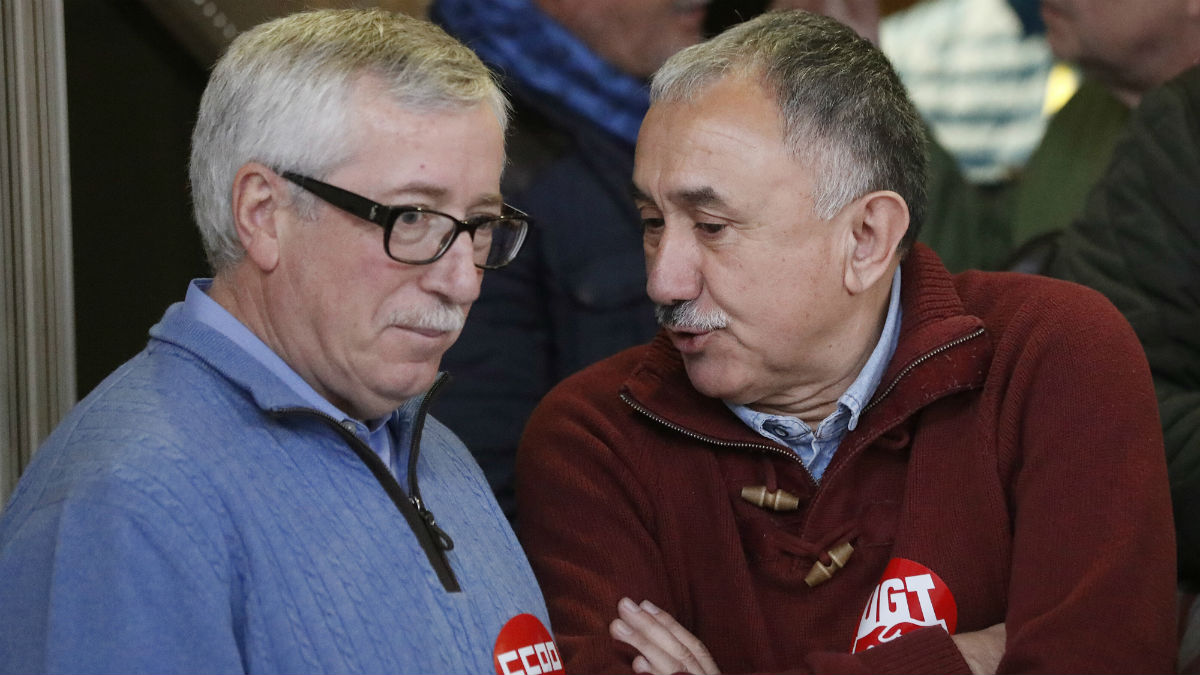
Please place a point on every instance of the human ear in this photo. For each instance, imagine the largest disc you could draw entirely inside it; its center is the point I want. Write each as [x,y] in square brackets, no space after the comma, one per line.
[880,220]
[256,200]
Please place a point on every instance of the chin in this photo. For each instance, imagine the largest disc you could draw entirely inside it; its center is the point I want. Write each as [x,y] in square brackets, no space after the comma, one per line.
[408,381]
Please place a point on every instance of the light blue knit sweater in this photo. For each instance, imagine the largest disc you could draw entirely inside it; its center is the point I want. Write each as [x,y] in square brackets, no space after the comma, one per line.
[175,522]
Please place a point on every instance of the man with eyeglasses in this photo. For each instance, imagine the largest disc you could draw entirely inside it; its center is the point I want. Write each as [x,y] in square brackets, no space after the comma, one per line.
[261,489]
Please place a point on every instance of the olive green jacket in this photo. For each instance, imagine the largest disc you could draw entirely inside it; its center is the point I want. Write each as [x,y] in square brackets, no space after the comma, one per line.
[1138,242]
[1004,226]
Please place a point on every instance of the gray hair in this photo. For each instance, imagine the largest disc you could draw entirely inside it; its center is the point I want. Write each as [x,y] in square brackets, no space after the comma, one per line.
[843,107]
[279,96]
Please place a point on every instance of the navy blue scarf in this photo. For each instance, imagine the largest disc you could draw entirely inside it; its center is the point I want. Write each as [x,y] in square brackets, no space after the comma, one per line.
[522,43]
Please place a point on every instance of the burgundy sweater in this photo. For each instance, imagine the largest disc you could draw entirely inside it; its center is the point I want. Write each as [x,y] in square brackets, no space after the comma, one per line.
[1010,469]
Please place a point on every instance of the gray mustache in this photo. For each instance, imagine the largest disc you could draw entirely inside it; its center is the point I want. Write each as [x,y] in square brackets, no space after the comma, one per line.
[441,317]
[688,315]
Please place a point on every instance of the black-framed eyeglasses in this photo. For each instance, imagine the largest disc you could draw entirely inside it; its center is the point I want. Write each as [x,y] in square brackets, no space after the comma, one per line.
[418,236]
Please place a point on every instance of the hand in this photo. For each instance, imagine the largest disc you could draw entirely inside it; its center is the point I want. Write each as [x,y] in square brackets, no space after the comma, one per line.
[982,649]
[664,646]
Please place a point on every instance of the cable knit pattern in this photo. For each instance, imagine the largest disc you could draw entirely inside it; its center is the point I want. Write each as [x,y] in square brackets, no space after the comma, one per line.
[172,523]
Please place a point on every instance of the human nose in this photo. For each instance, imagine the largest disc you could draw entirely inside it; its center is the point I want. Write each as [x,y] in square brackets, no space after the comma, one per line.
[673,267]
[454,275]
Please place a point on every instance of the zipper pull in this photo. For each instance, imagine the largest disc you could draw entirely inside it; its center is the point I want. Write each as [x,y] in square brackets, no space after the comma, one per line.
[443,540]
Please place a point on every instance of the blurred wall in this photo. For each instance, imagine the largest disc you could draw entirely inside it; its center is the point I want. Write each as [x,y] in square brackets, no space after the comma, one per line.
[204,27]
[132,92]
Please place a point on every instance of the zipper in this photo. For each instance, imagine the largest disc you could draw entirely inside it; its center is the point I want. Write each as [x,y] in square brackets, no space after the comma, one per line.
[433,540]
[445,543]
[922,359]
[791,456]
[896,380]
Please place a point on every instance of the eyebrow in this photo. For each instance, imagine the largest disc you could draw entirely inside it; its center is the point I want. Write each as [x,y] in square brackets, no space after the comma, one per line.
[438,193]
[701,196]
[693,197]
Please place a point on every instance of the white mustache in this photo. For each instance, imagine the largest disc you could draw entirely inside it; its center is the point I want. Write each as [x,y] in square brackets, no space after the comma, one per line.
[440,317]
[688,315]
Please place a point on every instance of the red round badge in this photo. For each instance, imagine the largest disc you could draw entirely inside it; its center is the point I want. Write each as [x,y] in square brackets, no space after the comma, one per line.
[524,647]
[910,596]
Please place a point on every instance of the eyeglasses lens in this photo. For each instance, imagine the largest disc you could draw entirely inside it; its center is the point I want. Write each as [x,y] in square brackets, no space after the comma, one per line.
[418,236]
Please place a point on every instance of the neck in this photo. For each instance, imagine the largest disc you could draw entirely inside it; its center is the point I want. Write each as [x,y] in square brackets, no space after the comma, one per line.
[1170,57]
[240,290]
[242,297]
[811,406]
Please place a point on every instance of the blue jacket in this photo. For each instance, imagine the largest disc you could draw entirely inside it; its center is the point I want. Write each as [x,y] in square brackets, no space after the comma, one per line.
[191,515]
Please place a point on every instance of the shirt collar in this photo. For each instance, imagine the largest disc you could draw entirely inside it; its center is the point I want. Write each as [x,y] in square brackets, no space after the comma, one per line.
[864,386]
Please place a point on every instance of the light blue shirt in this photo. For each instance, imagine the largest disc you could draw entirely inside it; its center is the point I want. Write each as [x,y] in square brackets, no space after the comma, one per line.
[199,306]
[816,450]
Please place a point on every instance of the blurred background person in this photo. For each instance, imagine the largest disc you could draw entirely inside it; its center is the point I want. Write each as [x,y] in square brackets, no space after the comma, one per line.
[576,71]
[1122,49]
[1138,242]
[980,72]
[1135,241]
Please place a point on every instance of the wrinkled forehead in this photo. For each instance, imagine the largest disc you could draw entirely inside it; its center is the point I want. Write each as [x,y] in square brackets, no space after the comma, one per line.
[730,133]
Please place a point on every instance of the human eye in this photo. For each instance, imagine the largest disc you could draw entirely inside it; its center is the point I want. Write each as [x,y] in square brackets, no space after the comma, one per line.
[414,225]
[651,217]
[484,229]
[652,228]
[649,224]
[412,215]
[711,229]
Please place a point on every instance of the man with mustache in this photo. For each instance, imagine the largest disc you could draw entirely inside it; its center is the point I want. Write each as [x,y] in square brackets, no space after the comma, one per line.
[836,456]
[261,489]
